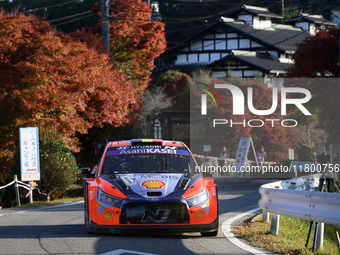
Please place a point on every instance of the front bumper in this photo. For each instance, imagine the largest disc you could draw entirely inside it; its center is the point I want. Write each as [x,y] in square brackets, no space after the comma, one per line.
[153,228]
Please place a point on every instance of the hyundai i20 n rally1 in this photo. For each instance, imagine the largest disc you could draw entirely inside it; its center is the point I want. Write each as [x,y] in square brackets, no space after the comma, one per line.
[149,185]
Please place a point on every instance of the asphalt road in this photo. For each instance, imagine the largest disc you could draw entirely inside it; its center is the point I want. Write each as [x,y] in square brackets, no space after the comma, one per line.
[60,230]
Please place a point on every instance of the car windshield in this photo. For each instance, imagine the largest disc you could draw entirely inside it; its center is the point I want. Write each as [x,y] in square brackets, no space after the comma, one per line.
[148,163]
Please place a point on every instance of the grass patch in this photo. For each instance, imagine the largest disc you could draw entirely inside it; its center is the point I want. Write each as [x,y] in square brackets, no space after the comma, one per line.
[74,193]
[291,239]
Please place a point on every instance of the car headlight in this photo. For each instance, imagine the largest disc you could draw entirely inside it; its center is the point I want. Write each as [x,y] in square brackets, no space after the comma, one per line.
[107,199]
[199,198]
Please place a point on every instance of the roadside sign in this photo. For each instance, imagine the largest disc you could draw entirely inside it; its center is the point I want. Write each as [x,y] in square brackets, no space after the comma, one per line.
[29,154]
[207,148]
[291,154]
[242,153]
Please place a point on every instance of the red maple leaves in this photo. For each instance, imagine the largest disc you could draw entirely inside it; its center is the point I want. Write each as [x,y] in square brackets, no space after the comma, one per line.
[317,56]
[66,84]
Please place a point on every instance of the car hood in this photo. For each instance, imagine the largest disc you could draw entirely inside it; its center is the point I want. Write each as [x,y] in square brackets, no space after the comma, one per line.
[151,184]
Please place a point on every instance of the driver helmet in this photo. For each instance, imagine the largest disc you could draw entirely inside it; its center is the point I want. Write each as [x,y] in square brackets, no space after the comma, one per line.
[124,164]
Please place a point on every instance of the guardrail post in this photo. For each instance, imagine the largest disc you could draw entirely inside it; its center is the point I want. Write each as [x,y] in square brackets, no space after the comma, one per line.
[337,239]
[265,216]
[17,189]
[274,227]
[320,236]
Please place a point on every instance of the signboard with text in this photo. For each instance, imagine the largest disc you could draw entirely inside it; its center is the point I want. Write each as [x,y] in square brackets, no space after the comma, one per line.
[29,154]
[242,152]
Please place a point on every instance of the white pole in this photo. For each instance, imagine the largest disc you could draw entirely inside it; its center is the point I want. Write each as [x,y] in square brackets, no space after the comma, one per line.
[17,189]
[31,192]
[265,216]
[320,236]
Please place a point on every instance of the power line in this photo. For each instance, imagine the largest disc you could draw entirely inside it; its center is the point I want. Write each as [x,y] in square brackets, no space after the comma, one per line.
[52,6]
[71,16]
[70,21]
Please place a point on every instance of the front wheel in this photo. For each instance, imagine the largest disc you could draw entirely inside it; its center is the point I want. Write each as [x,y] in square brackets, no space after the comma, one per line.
[87,219]
[88,228]
[212,233]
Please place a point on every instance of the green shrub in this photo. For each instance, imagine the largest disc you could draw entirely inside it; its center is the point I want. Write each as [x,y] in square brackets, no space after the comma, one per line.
[58,167]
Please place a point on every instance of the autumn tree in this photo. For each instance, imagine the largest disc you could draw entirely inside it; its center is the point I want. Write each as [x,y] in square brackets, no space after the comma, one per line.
[135,40]
[177,86]
[173,82]
[53,82]
[317,56]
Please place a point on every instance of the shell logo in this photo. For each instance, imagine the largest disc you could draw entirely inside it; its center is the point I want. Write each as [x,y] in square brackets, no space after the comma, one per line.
[153,184]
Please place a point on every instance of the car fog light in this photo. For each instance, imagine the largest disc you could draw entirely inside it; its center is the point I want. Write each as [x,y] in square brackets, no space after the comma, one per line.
[199,214]
[108,215]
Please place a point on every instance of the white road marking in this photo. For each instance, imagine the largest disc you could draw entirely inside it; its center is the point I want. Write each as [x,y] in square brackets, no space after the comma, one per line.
[61,205]
[121,251]
[226,228]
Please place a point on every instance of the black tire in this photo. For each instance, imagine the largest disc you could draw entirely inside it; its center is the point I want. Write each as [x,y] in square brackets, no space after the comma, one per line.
[87,219]
[89,229]
[212,233]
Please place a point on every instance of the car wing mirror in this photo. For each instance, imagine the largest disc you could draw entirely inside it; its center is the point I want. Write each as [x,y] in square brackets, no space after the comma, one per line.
[85,170]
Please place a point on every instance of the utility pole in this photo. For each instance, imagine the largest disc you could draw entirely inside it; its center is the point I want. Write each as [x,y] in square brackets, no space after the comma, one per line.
[282,7]
[104,4]
[105,24]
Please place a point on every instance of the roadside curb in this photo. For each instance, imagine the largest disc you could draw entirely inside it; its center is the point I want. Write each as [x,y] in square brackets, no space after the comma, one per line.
[226,229]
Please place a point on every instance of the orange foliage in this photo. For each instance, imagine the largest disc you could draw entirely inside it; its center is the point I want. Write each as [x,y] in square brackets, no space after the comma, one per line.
[53,82]
[135,41]
[317,56]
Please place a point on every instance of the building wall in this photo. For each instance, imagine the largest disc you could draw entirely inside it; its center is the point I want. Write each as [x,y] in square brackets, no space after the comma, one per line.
[216,46]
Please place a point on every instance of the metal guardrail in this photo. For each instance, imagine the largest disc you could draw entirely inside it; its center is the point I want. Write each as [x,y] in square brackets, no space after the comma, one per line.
[277,198]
